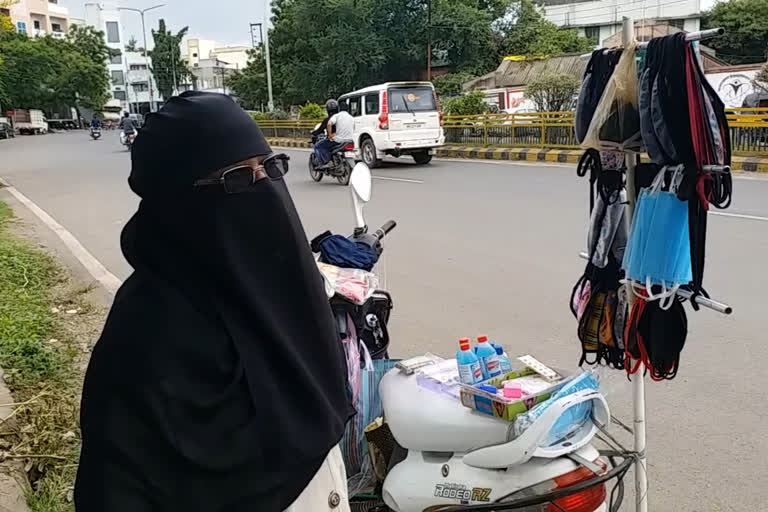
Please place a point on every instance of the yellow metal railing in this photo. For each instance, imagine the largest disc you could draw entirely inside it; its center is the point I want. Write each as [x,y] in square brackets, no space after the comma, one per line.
[749,130]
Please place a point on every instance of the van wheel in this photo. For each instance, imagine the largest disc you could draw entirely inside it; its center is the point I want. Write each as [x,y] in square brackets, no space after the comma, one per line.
[422,157]
[368,151]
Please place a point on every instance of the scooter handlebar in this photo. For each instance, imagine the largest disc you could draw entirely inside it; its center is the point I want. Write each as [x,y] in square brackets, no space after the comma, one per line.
[385,229]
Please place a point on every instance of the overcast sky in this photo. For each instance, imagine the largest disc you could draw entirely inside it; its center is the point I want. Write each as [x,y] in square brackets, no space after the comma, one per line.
[225,21]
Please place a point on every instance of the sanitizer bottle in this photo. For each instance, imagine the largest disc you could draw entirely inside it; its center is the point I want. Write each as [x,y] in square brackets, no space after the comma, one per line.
[489,360]
[469,364]
[504,364]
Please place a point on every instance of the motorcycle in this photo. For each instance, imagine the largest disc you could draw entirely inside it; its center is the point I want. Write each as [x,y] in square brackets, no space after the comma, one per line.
[95,133]
[447,457]
[338,167]
[127,139]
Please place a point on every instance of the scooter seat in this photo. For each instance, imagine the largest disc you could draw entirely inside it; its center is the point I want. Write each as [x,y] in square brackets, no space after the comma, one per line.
[424,420]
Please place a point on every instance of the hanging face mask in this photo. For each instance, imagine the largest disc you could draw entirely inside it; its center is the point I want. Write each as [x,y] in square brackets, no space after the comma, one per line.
[658,252]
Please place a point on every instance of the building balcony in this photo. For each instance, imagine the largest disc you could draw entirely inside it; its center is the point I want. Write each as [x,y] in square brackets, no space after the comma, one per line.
[58,10]
[37,32]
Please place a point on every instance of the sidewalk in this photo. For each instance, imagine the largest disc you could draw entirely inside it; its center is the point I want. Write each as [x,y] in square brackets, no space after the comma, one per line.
[570,156]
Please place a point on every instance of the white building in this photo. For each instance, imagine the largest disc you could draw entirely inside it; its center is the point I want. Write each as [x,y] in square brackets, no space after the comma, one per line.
[600,19]
[38,18]
[195,50]
[137,83]
[128,71]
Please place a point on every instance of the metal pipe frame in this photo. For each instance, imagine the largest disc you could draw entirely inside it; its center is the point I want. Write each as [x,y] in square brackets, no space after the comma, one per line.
[712,304]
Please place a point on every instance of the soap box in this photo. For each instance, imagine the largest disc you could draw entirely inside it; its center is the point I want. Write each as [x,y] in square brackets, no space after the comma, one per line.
[505,408]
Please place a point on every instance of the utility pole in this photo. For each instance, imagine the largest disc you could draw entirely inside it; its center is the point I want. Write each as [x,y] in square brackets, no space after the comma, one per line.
[267,9]
[146,59]
[429,40]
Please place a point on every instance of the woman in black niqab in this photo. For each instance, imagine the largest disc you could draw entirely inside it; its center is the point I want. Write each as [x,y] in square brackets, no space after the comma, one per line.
[218,383]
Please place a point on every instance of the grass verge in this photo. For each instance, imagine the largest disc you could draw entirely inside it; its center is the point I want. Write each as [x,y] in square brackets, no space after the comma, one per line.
[43,360]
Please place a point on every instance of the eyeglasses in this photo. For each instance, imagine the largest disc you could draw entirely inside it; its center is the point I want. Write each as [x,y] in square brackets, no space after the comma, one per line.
[237,179]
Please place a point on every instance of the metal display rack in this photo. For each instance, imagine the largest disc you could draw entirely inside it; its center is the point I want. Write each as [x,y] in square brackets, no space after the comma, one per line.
[638,383]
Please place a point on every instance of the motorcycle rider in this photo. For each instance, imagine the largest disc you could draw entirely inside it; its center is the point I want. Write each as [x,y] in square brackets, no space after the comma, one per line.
[340,128]
[95,123]
[128,125]
[323,148]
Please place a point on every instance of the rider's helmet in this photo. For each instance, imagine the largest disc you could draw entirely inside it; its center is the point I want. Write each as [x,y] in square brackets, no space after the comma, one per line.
[126,115]
[332,107]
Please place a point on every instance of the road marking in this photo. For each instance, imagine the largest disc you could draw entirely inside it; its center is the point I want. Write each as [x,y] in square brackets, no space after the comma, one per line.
[739,216]
[406,180]
[94,267]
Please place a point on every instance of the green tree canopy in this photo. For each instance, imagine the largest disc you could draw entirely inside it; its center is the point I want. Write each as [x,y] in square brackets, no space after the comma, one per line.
[48,73]
[130,46]
[249,85]
[450,84]
[167,66]
[553,92]
[746,30]
[470,104]
[526,32]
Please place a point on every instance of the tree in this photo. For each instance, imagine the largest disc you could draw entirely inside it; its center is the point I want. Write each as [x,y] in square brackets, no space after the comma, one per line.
[348,44]
[130,46]
[450,84]
[249,85]
[553,92]
[524,31]
[167,66]
[48,73]
[746,30]
[470,104]
[90,43]
[761,79]
[312,111]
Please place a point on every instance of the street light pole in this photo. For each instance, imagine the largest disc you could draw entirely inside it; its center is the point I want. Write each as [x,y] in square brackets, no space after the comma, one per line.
[267,8]
[146,59]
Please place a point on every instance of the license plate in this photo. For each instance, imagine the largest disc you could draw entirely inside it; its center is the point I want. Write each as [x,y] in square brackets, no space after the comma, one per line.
[414,125]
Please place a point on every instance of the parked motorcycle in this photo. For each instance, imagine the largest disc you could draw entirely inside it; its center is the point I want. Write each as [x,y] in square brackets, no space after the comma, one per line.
[95,133]
[369,317]
[339,166]
[447,457]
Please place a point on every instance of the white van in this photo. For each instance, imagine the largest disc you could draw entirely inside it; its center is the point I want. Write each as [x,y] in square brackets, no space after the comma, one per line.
[395,118]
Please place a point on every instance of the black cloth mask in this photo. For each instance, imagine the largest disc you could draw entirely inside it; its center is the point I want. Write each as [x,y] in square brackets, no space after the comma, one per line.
[219,382]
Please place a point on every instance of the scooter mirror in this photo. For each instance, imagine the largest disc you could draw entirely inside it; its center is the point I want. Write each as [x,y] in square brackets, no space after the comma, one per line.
[360,180]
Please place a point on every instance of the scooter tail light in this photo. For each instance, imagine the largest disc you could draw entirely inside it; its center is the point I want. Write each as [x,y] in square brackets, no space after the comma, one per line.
[587,500]
[384,116]
[350,147]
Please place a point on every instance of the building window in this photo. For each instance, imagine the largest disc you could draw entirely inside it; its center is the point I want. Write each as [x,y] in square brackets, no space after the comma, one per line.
[593,34]
[138,67]
[5,12]
[53,1]
[116,59]
[372,103]
[140,87]
[119,95]
[194,55]
[676,23]
[56,27]
[36,24]
[21,27]
[117,78]
[113,32]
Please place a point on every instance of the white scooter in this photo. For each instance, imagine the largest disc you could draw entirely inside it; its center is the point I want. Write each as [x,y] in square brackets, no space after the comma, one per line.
[453,458]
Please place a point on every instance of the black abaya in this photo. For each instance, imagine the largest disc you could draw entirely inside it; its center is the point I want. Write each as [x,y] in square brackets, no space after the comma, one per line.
[218,383]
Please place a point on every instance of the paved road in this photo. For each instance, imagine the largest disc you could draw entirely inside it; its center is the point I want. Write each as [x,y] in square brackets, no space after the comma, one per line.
[492,248]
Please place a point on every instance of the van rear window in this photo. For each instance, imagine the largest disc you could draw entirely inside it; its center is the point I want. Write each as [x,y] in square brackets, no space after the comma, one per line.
[411,99]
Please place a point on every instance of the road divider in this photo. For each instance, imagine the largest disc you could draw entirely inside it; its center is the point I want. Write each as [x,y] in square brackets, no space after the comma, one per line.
[758,164]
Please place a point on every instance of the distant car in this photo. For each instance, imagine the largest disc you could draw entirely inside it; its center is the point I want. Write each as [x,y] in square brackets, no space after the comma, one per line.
[6,131]
[395,118]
